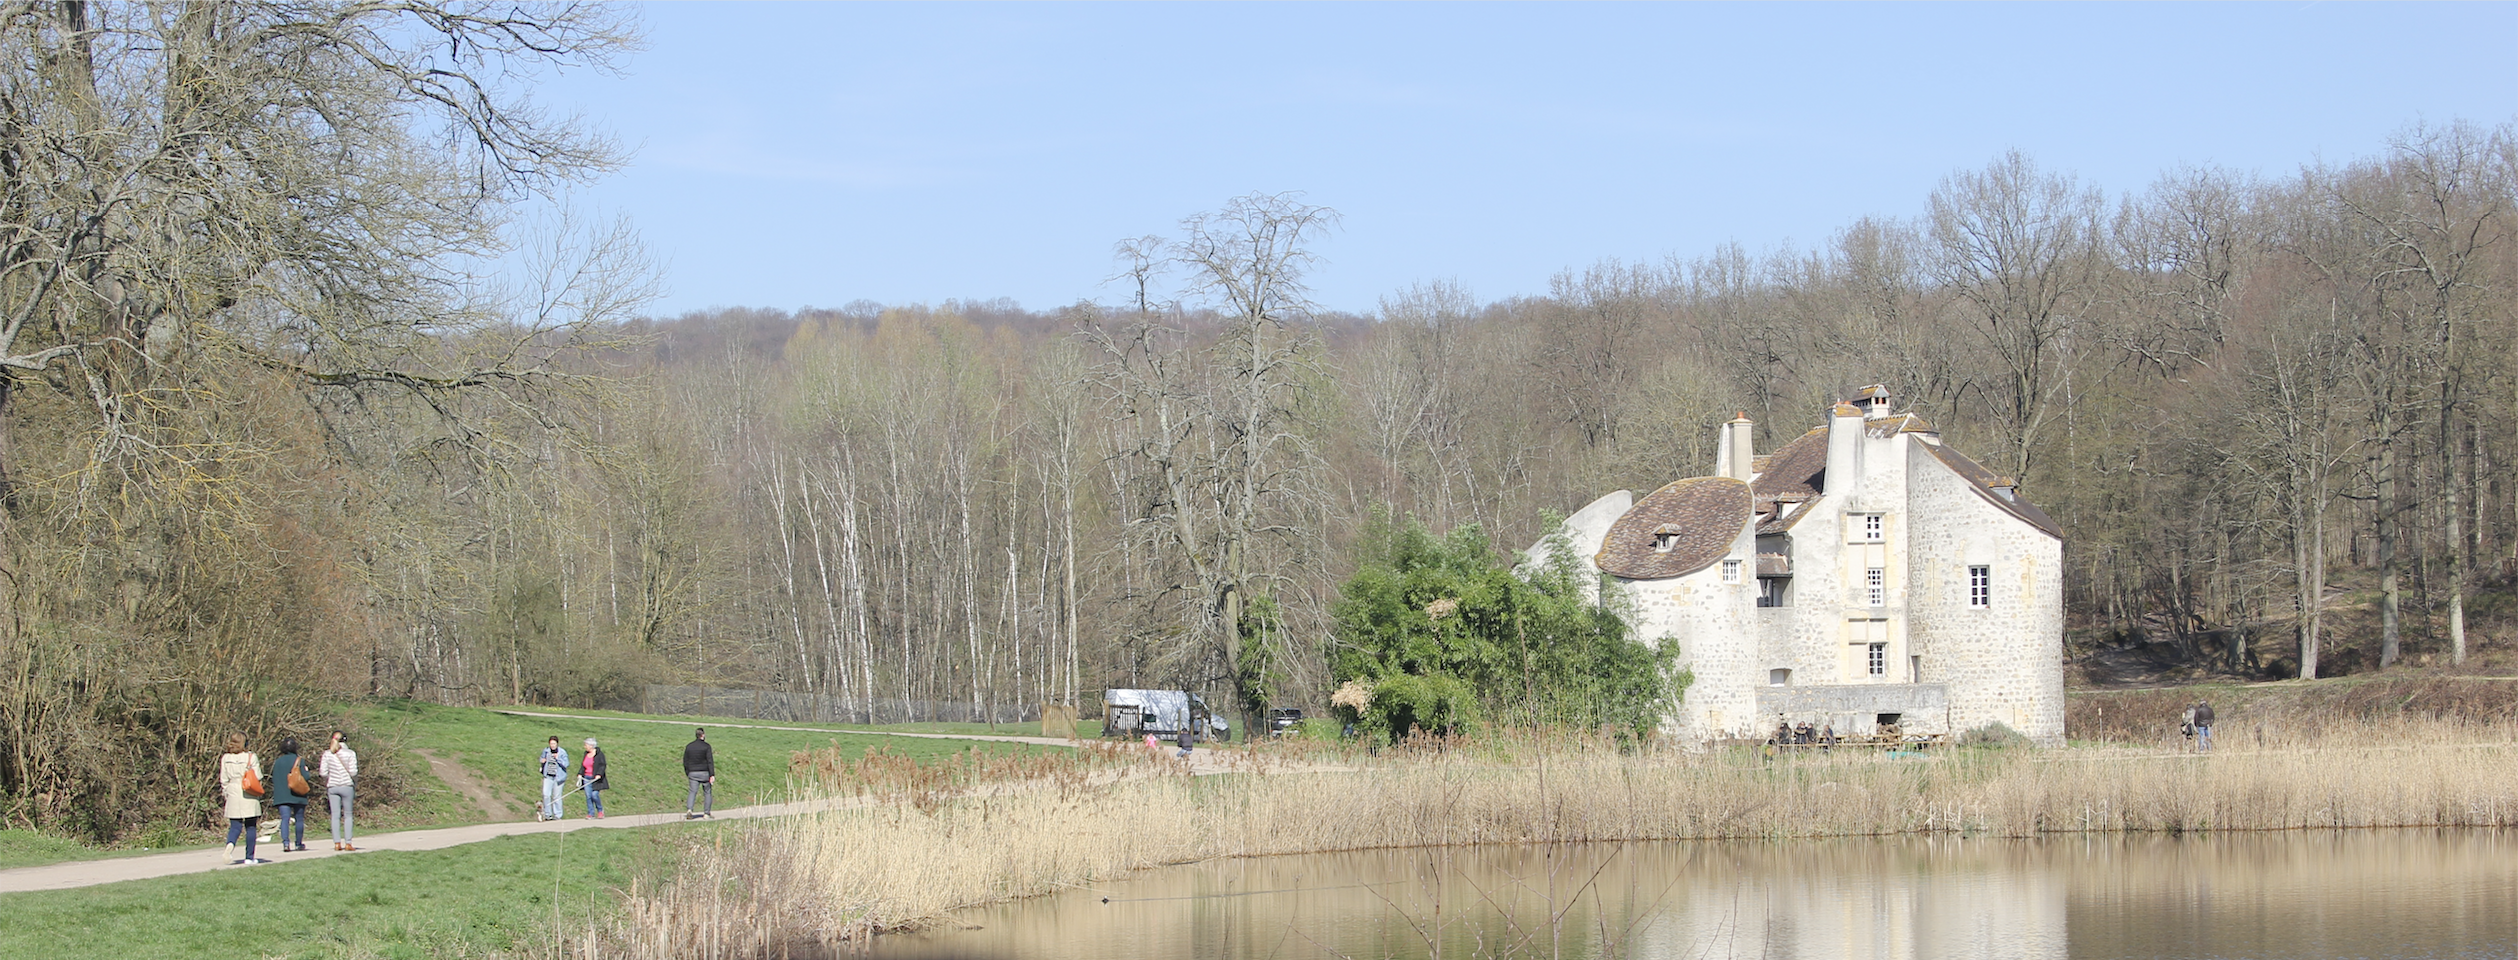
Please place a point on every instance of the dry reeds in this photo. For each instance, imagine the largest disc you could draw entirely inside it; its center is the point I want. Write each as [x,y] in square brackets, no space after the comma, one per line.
[921,850]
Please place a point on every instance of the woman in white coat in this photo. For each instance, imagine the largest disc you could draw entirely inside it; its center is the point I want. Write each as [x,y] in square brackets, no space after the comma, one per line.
[244,811]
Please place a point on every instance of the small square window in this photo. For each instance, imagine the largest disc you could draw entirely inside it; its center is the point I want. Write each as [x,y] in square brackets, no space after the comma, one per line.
[1875,586]
[1731,571]
[1980,586]
[1873,529]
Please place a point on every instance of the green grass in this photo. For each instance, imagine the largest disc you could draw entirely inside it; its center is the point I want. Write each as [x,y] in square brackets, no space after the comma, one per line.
[644,765]
[1089,728]
[28,848]
[463,901]
[499,750]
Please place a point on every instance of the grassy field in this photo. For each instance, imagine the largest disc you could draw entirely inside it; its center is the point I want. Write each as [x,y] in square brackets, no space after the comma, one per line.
[501,895]
[498,751]
[27,848]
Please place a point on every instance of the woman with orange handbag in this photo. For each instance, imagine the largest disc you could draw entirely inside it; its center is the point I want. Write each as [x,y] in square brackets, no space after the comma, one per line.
[240,779]
[290,790]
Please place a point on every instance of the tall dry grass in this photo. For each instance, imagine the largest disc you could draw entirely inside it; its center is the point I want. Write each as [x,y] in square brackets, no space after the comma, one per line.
[910,857]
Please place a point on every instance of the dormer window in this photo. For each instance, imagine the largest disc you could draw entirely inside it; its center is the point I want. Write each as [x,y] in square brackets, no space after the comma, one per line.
[1665,538]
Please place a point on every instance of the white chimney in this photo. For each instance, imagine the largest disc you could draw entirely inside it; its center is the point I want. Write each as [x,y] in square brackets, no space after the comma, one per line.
[1738,458]
[1874,401]
[1844,450]
[1722,450]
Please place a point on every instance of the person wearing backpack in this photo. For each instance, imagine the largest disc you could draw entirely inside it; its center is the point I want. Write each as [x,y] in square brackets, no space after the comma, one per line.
[240,780]
[289,792]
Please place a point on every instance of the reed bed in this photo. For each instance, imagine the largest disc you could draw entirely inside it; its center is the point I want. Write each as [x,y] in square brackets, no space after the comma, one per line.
[916,851]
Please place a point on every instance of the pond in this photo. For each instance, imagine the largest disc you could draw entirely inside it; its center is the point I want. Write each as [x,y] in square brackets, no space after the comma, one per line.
[2419,894]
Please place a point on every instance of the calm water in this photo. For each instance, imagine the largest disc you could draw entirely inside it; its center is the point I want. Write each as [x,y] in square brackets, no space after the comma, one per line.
[2359,894]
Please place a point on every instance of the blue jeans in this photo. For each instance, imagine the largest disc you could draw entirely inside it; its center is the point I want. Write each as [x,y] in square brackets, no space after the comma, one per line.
[246,825]
[551,790]
[594,800]
[292,825]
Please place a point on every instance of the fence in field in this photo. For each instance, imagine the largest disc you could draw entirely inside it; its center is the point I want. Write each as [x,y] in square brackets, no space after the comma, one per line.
[822,708]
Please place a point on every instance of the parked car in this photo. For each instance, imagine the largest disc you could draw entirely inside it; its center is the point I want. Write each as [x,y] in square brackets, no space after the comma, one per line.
[1128,714]
[1284,719]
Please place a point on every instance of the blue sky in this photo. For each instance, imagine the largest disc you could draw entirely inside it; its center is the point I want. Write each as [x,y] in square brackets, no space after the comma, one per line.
[792,155]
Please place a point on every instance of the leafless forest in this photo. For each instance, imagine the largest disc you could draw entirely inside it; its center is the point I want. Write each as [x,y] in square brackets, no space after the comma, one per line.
[262,447]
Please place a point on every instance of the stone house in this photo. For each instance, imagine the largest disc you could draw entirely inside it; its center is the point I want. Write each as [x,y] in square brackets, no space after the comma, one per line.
[1863,575]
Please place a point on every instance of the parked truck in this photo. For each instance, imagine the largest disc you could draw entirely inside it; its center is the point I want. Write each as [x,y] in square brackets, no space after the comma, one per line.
[1129,714]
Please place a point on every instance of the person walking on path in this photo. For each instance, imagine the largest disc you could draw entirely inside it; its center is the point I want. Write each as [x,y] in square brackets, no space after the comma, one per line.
[287,798]
[699,763]
[590,775]
[554,779]
[244,810]
[2203,726]
[340,771]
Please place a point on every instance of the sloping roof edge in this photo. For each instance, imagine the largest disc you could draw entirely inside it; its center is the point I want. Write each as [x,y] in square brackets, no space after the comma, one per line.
[1982,480]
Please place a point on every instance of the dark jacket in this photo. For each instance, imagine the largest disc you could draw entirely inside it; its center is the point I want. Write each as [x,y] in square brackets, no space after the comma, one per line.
[281,795]
[598,781]
[698,758]
[1187,738]
[2203,714]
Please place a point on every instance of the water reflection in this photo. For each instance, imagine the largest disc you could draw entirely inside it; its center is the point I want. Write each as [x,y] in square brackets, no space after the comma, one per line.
[2359,894]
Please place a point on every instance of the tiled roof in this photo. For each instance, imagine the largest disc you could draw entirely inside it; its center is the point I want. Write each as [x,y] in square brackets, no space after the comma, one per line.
[1797,470]
[1703,515]
[1894,424]
[1984,481]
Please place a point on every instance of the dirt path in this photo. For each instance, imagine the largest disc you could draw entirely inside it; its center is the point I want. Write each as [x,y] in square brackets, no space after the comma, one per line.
[87,873]
[467,786]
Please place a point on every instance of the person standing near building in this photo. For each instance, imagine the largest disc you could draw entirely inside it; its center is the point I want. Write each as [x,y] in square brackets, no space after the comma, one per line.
[1186,738]
[340,770]
[554,763]
[2203,726]
[285,798]
[590,775]
[699,763]
[243,808]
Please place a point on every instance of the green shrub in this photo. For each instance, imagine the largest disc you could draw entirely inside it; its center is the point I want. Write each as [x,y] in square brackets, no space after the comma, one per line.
[1994,734]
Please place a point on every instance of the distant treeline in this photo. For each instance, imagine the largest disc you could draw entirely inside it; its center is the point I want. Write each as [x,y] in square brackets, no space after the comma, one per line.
[255,457]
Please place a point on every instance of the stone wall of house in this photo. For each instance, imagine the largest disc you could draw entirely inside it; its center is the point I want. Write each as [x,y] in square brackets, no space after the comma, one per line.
[1708,619]
[2003,662]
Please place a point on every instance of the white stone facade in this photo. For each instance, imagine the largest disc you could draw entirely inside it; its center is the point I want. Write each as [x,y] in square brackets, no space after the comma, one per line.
[1899,578]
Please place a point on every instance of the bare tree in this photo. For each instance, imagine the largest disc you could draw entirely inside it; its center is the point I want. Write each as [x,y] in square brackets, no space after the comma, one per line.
[2021,250]
[1219,443]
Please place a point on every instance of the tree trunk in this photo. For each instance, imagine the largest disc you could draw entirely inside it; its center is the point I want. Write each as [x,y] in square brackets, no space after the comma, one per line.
[2391,593]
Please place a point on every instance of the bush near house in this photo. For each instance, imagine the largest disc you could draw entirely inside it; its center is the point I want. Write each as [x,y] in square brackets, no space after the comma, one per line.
[1445,637]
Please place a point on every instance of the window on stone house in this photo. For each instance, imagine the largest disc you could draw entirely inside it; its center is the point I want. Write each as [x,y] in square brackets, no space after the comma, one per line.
[1980,586]
[1871,528]
[1779,677]
[1664,542]
[1875,586]
[1879,659]
[1731,571]
[1774,591]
